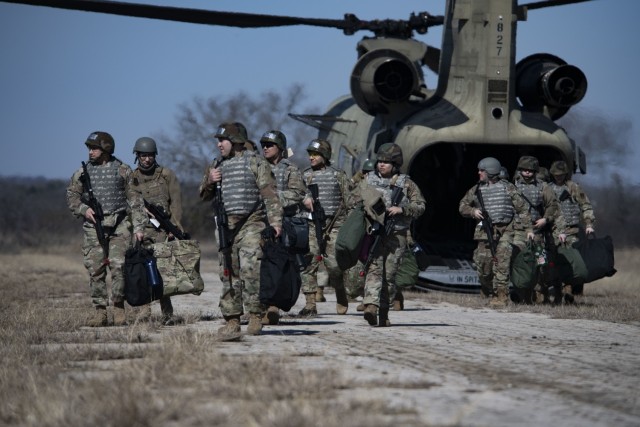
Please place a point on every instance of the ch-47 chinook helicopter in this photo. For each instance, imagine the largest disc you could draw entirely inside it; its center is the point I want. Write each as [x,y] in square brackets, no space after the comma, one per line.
[484,104]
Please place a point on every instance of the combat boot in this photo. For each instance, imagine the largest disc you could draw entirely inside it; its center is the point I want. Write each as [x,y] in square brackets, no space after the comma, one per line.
[360,307]
[309,310]
[568,296]
[99,318]
[371,314]
[320,295]
[272,316]
[398,302]
[255,324]
[342,302]
[231,328]
[500,299]
[119,318]
[167,311]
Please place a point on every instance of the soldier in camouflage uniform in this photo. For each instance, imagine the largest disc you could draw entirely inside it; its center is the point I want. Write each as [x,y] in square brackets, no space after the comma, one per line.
[576,209]
[502,202]
[159,186]
[548,223]
[290,187]
[379,286]
[333,188]
[123,214]
[250,200]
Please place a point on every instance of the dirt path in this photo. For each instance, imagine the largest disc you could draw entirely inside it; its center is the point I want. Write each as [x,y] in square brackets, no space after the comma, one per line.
[448,365]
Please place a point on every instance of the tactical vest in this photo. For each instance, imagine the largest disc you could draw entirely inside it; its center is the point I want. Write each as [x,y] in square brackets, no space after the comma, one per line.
[569,208]
[497,202]
[328,187]
[108,186]
[280,172]
[383,185]
[533,193]
[154,188]
[239,189]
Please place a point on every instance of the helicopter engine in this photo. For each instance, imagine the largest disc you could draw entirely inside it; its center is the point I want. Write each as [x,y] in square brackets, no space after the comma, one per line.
[544,80]
[387,74]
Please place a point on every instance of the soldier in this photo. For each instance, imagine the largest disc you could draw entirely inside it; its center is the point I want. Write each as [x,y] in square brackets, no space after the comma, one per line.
[159,186]
[576,208]
[547,222]
[379,286]
[249,199]
[290,187]
[499,200]
[123,212]
[333,187]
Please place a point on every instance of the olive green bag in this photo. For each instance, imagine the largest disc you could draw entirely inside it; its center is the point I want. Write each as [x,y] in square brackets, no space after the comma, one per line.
[523,267]
[349,240]
[179,266]
[408,270]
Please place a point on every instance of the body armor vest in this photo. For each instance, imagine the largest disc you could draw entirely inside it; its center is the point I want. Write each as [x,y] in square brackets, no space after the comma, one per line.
[108,186]
[533,193]
[383,185]
[570,209]
[154,187]
[328,188]
[280,172]
[239,190]
[497,202]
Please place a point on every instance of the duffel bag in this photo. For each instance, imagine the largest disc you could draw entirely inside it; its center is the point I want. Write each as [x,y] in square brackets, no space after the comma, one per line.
[597,254]
[179,266]
[349,239]
[408,270]
[142,283]
[524,267]
[570,265]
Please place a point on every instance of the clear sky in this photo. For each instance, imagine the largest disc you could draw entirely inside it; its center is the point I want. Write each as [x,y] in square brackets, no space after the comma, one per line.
[64,74]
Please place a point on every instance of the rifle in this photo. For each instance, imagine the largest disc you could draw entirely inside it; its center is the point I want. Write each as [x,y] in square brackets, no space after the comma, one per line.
[379,232]
[89,199]
[224,234]
[319,219]
[487,225]
[163,219]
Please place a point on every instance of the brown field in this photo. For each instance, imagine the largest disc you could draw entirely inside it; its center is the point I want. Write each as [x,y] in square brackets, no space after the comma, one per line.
[55,372]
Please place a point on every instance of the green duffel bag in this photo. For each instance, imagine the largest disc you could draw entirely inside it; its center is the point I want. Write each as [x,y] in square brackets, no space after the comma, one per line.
[179,266]
[571,266]
[523,267]
[349,240]
[408,270]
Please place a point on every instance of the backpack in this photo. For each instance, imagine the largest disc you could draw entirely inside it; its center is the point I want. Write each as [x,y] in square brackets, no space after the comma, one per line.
[280,281]
[140,272]
[179,266]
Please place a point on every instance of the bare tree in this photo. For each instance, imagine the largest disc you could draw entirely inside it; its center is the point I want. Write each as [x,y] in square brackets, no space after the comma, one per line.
[193,147]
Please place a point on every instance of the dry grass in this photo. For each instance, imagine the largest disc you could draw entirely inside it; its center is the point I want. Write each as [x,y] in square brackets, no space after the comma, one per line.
[612,299]
[57,373]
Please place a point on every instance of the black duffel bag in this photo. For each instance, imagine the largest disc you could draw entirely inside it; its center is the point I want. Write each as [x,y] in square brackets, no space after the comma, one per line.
[279,276]
[142,282]
[597,254]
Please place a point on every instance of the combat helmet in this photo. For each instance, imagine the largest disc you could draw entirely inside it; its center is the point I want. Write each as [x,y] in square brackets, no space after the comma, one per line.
[491,165]
[233,131]
[102,140]
[559,167]
[528,162]
[145,145]
[278,138]
[390,152]
[368,165]
[322,147]
[543,174]
[504,173]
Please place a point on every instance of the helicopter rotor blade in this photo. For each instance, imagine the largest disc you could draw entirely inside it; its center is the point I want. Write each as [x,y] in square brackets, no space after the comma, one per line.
[550,3]
[350,24]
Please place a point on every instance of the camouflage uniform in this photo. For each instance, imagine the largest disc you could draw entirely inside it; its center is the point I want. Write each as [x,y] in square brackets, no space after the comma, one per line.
[494,276]
[380,277]
[542,203]
[242,287]
[159,186]
[123,214]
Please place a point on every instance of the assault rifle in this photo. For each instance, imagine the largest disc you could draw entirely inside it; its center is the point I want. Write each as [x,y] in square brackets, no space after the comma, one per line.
[224,235]
[487,225]
[319,218]
[164,220]
[89,199]
[379,232]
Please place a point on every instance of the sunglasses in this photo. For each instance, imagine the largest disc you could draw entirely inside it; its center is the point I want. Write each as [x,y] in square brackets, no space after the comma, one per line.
[267,144]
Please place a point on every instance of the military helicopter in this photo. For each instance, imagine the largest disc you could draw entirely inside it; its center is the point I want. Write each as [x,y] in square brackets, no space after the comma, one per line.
[483,105]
